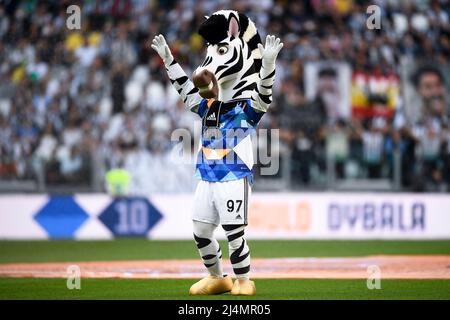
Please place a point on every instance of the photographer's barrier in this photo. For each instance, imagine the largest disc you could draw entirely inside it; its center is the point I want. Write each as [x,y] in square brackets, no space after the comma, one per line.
[271,215]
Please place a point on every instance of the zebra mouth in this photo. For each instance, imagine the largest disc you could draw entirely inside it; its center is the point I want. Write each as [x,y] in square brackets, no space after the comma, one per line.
[206,88]
[206,83]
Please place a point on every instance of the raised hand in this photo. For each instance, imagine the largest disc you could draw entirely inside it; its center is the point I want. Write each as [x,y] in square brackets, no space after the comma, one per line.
[159,44]
[270,51]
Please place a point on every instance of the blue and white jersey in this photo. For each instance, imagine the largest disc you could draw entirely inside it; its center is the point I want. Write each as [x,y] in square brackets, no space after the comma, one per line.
[226,151]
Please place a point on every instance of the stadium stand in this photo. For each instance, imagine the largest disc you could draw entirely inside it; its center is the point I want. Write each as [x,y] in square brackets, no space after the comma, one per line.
[357,108]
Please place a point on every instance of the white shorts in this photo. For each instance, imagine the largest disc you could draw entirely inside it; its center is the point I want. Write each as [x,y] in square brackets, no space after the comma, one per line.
[222,202]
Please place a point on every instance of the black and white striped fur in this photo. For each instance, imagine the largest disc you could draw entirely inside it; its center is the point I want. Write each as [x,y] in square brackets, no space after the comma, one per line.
[239,71]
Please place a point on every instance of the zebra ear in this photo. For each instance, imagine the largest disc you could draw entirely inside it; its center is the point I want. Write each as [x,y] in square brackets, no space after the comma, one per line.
[233,27]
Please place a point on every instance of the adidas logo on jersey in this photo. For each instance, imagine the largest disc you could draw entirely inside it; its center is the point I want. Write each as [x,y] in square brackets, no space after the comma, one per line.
[212,117]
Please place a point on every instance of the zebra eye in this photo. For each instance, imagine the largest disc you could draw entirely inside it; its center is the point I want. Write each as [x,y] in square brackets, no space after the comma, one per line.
[222,50]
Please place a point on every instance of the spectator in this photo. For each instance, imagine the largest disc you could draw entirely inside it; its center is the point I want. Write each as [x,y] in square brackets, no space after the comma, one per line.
[86,54]
[373,144]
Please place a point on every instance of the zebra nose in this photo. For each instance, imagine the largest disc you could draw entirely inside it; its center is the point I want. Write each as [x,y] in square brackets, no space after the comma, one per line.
[206,83]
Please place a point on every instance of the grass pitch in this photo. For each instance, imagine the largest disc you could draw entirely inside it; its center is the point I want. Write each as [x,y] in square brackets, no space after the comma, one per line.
[141,249]
[273,289]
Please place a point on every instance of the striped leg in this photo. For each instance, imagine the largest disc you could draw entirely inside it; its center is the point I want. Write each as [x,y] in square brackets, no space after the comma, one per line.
[208,247]
[239,250]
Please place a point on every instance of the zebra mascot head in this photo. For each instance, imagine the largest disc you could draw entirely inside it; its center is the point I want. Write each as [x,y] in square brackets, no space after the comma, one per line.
[233,60]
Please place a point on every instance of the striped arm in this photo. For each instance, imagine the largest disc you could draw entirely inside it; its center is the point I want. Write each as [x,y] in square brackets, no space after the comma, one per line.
[262,95]
[184,86]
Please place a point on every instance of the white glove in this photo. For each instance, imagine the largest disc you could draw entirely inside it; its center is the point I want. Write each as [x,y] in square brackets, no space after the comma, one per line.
[270,52]
[159,44]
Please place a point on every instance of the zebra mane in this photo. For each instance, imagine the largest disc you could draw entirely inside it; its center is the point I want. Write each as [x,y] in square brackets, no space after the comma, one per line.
[214,29]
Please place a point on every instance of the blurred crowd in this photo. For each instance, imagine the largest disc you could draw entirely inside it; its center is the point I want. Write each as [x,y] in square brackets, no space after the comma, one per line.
[74,103]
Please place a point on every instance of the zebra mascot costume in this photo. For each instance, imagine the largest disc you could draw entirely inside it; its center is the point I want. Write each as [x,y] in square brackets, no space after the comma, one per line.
[230,91]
